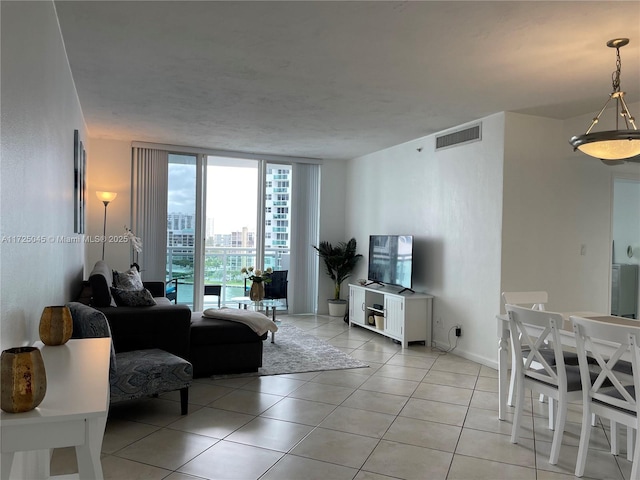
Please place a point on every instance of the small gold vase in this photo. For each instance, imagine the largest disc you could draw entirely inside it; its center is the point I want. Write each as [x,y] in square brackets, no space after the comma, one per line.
[256,293]
[23,379]
[56,325]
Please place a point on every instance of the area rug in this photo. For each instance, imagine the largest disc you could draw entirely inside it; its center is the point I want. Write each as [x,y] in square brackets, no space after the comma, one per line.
[295,351]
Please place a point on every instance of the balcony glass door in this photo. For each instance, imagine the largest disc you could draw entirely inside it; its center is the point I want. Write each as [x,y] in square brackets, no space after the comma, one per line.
[181,227]
[232,237]
[224,214]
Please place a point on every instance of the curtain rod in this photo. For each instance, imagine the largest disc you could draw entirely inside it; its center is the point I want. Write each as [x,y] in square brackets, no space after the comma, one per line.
[226,153]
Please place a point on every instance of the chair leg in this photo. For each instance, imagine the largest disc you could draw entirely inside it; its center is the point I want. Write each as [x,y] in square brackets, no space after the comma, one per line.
[630,440]
[553,406]
[517,415]
[635,466]
[512,386]
[559,432]
[615,449]
[583,448]
[184,401]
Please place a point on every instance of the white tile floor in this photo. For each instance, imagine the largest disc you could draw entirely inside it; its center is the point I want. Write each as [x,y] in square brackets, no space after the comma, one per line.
[412,414]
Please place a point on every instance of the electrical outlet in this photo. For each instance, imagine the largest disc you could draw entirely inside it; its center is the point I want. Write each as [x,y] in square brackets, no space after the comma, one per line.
[458,331]
[439,322]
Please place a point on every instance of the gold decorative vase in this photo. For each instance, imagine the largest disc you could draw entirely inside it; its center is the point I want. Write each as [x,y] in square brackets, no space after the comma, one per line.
[56,325]
[23,379]
[256,293]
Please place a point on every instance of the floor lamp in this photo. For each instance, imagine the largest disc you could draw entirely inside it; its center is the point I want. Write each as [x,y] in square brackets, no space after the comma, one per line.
[106,198]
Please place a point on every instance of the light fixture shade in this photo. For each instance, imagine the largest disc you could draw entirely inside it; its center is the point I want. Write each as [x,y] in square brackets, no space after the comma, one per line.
[106,196]
[609,145]
[613,146]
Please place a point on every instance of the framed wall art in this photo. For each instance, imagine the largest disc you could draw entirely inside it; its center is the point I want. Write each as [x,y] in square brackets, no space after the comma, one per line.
[79,182]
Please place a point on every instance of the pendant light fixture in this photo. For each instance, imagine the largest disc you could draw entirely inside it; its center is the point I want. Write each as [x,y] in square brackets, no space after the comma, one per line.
[612,144]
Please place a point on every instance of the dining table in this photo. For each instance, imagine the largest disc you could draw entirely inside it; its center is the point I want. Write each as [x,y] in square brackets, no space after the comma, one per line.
[567,337]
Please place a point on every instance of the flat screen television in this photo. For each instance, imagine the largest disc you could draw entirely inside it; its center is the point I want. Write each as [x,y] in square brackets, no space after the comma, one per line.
[391,260]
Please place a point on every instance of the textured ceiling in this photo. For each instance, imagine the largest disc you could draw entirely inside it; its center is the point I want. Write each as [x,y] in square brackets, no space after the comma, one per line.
[336,79]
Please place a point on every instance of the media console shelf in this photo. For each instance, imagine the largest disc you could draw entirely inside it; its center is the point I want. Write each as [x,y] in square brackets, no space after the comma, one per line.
[407,316]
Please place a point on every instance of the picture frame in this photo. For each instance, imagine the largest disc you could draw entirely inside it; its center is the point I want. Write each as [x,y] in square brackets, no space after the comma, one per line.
[79,182]
[83,187]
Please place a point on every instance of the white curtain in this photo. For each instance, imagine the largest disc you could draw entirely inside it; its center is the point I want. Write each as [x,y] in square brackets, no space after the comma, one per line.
[149,180]
[305,214]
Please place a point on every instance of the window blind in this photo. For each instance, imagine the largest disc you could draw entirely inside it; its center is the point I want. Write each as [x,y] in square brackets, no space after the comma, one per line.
[149,179]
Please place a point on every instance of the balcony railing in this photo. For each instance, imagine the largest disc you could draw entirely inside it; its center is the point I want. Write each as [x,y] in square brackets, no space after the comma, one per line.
[222,267]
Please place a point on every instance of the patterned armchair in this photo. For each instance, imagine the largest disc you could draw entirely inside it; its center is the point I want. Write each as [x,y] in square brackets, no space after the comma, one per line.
[135,373]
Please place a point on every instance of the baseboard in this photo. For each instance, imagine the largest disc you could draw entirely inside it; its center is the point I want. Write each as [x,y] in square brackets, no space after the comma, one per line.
[487,362]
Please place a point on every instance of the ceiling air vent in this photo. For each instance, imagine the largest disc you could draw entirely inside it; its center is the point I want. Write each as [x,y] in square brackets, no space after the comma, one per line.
[467,135]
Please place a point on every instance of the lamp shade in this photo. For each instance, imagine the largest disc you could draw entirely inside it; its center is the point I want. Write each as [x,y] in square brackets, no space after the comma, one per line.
[611,145]
[56,325]
[106,196]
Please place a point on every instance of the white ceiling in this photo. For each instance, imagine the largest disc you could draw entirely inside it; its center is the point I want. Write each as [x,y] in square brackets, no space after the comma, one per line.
[337,79]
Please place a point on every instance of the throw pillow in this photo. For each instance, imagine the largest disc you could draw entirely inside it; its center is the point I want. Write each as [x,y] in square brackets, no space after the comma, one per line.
[129,280]
[100,280]
[133,298]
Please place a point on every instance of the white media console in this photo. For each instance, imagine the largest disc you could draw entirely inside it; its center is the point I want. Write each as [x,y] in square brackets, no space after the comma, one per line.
[407,315]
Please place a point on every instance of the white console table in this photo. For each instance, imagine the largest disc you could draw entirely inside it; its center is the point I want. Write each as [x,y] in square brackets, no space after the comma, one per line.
[73,413]
[407,316]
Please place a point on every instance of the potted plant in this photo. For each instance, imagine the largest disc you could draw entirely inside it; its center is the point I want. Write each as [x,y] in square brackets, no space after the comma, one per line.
[339,262]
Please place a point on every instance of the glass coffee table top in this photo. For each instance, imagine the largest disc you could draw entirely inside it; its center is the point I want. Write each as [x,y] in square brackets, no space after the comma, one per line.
[258,303]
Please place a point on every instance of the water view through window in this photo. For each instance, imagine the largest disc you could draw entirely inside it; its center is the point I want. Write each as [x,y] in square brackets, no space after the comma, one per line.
[229,226]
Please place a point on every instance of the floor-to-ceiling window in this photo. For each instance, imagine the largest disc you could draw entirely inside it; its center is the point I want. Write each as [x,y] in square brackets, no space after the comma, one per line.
[241,219]
[277,216]
[181,224]
[232,203]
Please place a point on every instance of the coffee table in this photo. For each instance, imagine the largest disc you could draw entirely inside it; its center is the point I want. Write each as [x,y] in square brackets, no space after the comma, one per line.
[259,305]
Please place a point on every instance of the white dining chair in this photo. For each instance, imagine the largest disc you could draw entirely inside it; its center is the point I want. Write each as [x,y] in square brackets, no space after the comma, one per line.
[536,301]
[533,334]
[613,394]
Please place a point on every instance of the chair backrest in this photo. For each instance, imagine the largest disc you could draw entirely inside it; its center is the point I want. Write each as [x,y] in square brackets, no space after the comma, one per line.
[91,323]
[531,332]
[277,288]
[614,357]
[537,300]
[88,322]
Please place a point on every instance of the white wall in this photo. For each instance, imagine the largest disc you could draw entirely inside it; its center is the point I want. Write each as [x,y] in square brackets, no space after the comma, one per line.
[452,202]
[40,110]
[109,169]
[557,220]
[519,201]
[630,170]
[333,205]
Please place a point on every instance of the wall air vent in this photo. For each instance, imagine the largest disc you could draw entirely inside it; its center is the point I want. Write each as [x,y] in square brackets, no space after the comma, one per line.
[460,137]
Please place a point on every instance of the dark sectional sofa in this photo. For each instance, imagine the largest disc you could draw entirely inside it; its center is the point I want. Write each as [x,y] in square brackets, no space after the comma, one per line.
[165,325]
[213,346]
